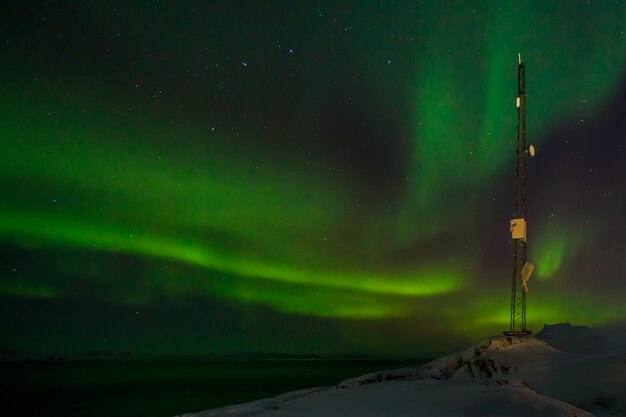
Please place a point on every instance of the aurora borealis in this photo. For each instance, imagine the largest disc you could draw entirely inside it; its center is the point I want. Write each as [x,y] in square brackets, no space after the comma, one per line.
[304,176]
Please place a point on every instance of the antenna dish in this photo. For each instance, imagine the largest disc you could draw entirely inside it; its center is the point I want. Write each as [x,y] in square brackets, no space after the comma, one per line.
[530,151]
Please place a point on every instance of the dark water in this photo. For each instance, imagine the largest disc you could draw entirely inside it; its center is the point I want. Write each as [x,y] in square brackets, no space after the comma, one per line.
[164,388]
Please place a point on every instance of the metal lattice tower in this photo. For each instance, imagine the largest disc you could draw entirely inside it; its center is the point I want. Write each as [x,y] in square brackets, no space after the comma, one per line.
[521,269]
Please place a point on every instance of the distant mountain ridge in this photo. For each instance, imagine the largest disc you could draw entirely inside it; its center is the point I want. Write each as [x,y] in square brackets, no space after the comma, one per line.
[577,339]
[17,355]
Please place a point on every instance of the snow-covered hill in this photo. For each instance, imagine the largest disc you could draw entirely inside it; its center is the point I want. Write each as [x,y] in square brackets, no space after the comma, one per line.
[563,371]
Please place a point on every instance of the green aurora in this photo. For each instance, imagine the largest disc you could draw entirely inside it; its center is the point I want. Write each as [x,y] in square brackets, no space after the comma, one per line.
[318,164]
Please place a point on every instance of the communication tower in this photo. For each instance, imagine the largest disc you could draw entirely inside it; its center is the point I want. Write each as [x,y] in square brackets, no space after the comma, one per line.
[522,270]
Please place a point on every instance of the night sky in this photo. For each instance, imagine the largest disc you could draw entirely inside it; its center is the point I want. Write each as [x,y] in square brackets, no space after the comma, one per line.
[326,177]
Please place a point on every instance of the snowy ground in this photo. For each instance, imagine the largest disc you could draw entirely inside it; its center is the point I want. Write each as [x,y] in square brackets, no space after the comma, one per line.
[563,371]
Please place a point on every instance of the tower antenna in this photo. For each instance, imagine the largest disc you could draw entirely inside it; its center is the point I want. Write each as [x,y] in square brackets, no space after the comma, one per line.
[522,270]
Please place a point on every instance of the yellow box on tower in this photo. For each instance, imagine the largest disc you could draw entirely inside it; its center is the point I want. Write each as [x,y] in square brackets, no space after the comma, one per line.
[518,229]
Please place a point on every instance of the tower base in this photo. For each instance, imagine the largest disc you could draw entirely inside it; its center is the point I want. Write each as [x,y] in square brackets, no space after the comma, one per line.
[519,333]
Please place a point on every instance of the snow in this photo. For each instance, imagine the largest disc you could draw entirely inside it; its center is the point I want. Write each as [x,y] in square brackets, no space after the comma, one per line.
[562,371]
